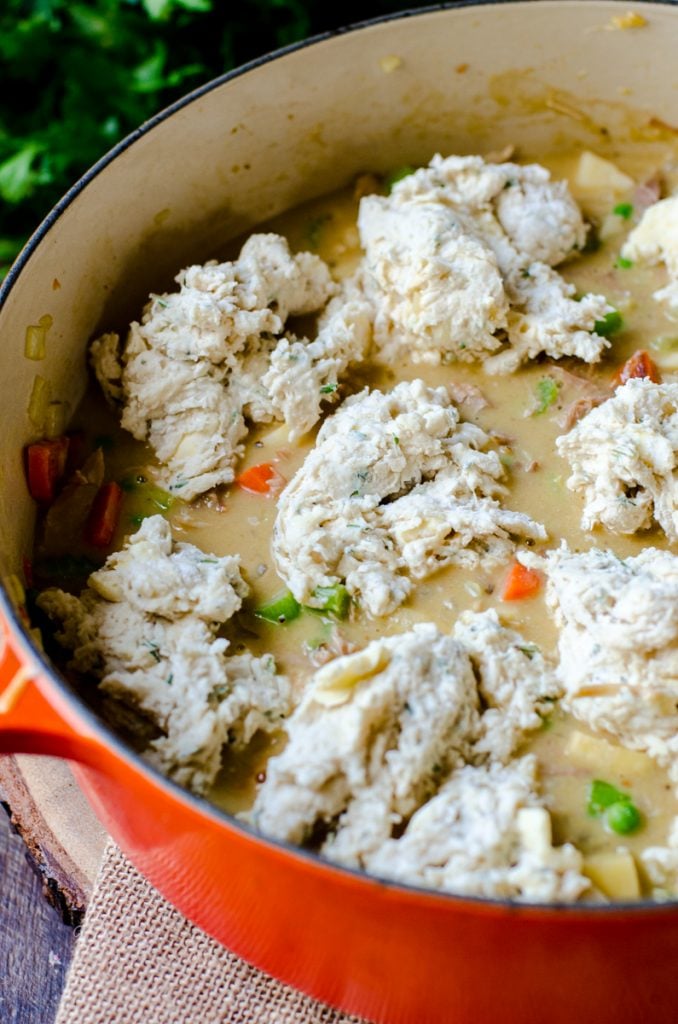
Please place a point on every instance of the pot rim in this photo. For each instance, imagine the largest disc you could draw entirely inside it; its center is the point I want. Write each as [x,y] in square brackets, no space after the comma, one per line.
[105,734]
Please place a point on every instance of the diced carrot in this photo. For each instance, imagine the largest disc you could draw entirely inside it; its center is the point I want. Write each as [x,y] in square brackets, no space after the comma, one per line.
[104,515]
[45,465]
[257,479]
[640,364]
[520,583]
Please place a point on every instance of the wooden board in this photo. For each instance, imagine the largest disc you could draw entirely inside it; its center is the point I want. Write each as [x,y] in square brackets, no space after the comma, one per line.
[35,945]
[55,821]
[55,854]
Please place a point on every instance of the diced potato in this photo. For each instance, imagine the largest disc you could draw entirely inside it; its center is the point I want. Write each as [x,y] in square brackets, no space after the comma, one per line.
[335,681]
[605,758]
[595,174]
[534,826]
[615,874]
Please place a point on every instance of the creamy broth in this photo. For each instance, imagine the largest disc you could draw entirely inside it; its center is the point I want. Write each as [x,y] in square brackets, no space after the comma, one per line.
[235,521]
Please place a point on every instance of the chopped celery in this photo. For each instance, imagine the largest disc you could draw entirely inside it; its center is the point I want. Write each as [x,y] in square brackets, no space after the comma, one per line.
[35,345]
[283,608]
[145,498]
[610,324]
[547,393]
[55,419]
[393,177]
[38,402]
[336,600]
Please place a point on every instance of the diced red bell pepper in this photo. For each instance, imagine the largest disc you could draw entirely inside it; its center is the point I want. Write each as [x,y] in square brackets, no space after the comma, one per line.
[520,583]
[45,466]
[640,364]
[257,479]
[104,515]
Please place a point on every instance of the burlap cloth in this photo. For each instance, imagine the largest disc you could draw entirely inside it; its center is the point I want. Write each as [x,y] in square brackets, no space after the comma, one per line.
[138,961]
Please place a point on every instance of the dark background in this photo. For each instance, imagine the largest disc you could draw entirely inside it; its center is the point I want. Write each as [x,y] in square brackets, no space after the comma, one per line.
[77,76]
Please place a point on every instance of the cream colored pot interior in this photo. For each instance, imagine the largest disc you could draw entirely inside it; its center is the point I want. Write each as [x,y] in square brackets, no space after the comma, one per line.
[467,79]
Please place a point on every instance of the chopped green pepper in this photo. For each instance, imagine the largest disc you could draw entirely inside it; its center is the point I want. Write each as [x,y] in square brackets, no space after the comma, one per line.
[610,324]
[283,608]
[336,600]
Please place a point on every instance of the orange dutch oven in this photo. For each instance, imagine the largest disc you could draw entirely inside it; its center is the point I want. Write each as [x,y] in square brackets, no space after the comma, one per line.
[233,153]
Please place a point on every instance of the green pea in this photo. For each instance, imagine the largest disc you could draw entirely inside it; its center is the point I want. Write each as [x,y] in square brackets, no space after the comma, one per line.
[622,817]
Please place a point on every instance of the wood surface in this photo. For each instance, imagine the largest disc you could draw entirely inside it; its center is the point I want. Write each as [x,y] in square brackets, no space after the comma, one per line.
[49,856]
[57,825]
[35,944]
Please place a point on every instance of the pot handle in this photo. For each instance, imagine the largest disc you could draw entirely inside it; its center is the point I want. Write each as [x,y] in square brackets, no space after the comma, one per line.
[29,724]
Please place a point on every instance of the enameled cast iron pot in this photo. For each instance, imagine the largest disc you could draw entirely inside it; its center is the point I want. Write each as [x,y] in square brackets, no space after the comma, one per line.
[233,153]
